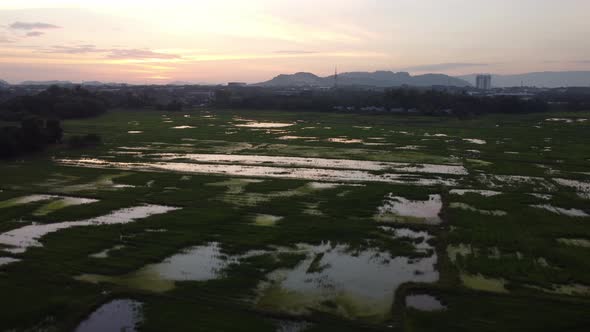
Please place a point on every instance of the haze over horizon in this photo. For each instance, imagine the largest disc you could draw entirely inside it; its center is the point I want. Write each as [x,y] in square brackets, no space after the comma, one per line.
[202,41]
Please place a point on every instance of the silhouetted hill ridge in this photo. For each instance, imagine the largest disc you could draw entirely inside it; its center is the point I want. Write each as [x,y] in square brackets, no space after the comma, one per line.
[375,79]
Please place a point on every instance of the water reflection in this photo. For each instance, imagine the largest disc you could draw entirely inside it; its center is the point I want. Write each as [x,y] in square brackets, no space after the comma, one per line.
[424,302]
[115,316]
[19,240]
[200,263]
[400,209]
[343,281]
[317,174]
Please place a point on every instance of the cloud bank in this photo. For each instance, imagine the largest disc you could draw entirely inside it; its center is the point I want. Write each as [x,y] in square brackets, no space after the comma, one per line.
[32,26]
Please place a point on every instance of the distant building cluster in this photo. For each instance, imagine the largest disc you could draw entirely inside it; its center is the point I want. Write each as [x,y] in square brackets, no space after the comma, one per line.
[483,82]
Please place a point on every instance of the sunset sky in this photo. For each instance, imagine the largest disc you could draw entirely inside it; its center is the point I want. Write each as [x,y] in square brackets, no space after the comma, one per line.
[144,41]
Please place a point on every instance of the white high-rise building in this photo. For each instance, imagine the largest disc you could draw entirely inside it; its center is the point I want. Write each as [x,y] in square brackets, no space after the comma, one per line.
[483,82]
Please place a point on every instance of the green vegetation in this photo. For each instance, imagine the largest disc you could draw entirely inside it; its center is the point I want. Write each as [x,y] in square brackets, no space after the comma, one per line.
[527,269]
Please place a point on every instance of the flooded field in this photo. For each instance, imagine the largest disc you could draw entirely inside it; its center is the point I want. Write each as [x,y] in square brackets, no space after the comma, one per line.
[117,315]
[286,221]
[328,279]
[402,210]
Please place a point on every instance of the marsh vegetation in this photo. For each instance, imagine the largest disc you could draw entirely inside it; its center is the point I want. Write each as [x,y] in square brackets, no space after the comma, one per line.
[301,222]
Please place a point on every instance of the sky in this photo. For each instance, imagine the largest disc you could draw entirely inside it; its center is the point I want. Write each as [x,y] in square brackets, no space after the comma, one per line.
[201,41]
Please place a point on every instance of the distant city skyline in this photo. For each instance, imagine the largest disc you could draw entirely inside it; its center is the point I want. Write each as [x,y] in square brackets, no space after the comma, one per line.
[234,40]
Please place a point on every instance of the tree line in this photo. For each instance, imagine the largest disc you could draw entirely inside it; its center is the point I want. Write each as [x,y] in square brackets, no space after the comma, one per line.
[39,117]
[55,102]
[427,102]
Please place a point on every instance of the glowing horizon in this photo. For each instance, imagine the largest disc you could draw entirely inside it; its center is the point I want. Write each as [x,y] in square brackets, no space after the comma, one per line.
[231,40]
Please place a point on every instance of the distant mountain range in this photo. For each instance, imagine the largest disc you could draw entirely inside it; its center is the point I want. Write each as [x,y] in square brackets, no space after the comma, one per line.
[375,79]
[4,83]
[46,83]
[541,79]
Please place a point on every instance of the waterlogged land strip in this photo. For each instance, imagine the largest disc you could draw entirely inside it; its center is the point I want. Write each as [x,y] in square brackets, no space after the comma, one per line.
[316,174]
[19,240]
[314,162]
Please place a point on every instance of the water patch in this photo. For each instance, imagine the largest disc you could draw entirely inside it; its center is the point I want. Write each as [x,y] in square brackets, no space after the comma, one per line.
[184,127]
[565,120]
[200,263]
[482,283]
[115,316]
[400,209]
[485,193]
[562,211]
[467,207]
[345,140]
[584,243]
[328,280]
[316,162]
[544,197]
[19,240]
[499,181]
[288,138]
[8,260]
[264,171]
[105,253]
[405,233]
[265,125]
[583,188]
[266,220]
[475,141]
[236,187]
[410,147]
[424,302]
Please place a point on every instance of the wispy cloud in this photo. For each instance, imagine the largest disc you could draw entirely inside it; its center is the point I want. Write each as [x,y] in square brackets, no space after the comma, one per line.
[32,26]
[445,66]
[78,49]
[294,52]
[35,34]
[113,53]
[124,54]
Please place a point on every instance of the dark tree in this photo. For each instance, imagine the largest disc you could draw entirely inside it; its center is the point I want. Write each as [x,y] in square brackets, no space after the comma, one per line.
[53,131]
